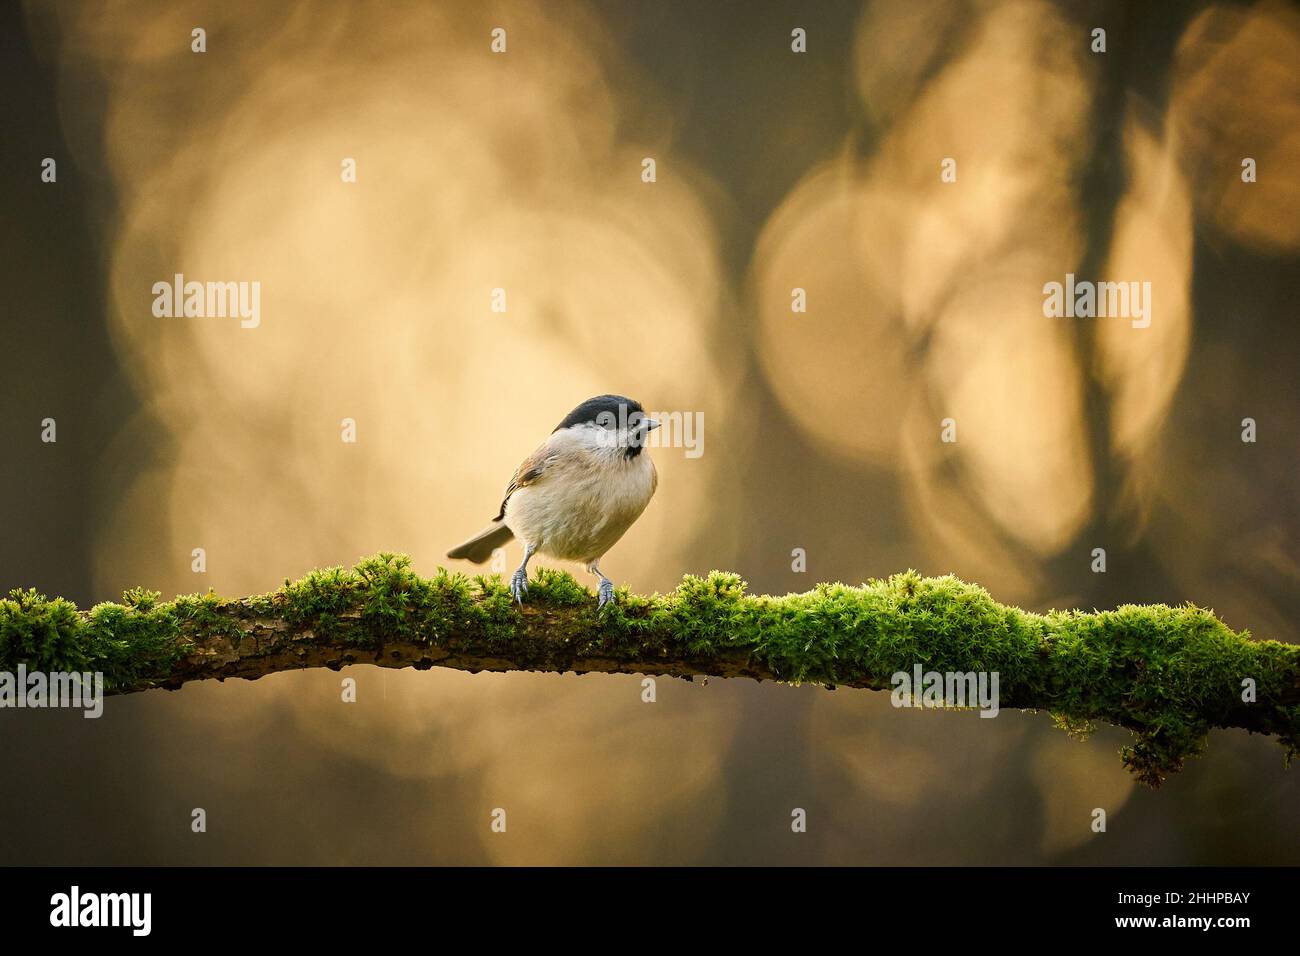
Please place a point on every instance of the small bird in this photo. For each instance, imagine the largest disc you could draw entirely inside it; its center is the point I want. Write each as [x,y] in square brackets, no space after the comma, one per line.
[574,496]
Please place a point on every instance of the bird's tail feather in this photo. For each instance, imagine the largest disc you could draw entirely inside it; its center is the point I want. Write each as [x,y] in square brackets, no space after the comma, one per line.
[480,547]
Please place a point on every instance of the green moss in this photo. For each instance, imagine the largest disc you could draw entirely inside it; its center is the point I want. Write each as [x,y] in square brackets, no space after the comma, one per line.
[557,589]
[141,599]
[46,633]
[123,642]
[320,596]
[1169,674]
[206,614]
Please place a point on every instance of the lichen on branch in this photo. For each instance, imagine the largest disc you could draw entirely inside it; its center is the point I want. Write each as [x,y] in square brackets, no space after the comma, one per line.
[1168,674]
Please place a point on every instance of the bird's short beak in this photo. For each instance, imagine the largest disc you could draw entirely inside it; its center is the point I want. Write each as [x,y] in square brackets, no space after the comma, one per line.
[650,424]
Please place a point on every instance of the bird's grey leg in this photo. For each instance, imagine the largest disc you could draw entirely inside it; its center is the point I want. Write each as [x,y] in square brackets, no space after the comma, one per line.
[519,582]
[606,590]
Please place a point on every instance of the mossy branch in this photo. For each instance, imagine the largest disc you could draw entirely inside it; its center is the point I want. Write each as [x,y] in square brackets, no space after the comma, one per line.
[1169,674]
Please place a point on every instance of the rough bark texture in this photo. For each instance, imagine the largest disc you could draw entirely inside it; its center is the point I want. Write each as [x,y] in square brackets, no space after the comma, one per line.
[1168,674]
[545,639]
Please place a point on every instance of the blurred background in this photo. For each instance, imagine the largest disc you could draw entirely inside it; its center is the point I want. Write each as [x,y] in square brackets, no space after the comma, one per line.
[775,170]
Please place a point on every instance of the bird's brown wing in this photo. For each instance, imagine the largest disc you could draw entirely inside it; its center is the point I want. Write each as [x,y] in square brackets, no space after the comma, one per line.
[530,470]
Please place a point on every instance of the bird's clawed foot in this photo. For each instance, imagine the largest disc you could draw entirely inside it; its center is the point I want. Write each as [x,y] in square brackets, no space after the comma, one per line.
[519,584]
[605,592]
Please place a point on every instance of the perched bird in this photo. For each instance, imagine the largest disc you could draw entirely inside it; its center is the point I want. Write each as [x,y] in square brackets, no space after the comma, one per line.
[576,494]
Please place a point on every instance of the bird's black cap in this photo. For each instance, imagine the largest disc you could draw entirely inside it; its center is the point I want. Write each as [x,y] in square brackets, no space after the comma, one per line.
[607,405]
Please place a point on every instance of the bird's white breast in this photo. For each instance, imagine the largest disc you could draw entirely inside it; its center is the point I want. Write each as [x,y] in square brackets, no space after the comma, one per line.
[588,496]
